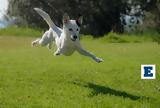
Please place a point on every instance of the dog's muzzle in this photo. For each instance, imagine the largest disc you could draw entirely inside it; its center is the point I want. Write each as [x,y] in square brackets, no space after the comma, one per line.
[74,38]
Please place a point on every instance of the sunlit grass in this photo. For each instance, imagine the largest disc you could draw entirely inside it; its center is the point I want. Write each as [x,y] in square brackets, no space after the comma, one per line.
[34,78]
[20,32]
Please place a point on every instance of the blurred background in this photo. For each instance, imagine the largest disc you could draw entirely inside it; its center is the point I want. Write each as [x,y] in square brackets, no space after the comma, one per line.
[100,16]
[125,33]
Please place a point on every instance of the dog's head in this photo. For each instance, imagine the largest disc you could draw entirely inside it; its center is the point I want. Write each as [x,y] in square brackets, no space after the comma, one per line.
[72,27]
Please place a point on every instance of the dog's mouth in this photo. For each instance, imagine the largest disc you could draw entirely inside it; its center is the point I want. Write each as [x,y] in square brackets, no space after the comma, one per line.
[73,39]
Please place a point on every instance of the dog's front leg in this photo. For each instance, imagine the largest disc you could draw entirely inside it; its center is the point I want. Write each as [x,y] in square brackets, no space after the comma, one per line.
[86,53]
[49,45]
[58,52]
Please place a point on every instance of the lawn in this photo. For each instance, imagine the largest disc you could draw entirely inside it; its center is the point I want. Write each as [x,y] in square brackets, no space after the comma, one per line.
[34,78]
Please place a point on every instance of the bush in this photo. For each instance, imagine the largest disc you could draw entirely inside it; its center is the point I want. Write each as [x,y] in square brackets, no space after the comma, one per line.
[20,31]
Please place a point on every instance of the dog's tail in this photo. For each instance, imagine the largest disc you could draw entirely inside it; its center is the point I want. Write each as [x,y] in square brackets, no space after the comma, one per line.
[45,16]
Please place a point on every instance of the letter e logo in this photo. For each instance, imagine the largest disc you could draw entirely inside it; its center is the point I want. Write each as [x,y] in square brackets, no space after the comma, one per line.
[148,71]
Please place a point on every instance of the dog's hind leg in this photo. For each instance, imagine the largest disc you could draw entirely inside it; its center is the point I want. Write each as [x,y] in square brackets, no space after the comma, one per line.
[36,42]
[42,41]
[39,41]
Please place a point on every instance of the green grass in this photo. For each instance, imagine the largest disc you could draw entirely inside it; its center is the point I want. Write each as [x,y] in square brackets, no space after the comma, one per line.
[131,38]
[34,78]
[110,38]
[20,32]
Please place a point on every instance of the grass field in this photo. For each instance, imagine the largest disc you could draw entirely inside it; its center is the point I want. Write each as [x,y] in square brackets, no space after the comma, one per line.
[34,78]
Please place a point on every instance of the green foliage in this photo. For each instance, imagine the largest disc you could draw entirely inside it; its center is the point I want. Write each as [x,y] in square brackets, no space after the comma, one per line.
[131,38]
[20,31]
[151,36]
[114,38]
[34,78]
[99,16]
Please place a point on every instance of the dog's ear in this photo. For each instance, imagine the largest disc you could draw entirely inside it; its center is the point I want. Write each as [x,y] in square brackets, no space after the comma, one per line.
[65,18]
[79,20]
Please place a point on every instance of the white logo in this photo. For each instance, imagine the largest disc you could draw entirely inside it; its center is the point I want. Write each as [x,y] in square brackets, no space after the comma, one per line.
[148,71]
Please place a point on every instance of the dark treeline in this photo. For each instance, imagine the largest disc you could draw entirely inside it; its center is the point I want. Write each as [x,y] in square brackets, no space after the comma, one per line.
[100,16]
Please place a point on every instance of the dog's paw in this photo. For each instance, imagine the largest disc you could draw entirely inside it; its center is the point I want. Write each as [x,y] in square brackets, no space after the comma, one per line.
[33,44]
[98,60]
[56,53]
[49,47]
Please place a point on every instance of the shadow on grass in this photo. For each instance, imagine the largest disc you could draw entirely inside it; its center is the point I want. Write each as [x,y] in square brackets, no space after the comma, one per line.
[98,89]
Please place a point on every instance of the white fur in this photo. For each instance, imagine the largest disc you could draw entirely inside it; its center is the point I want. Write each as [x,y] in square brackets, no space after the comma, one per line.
[66,39]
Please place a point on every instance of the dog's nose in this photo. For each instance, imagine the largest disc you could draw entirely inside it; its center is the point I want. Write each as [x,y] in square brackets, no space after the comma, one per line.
[75,37]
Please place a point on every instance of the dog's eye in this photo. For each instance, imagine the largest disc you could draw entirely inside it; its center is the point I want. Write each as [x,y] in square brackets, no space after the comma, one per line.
[70,29]
[77,29]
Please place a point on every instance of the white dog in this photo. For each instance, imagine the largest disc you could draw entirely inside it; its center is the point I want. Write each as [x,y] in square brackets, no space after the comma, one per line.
[66,39]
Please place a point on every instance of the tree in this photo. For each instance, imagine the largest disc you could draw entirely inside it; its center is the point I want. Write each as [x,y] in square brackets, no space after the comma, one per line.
[100,16]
